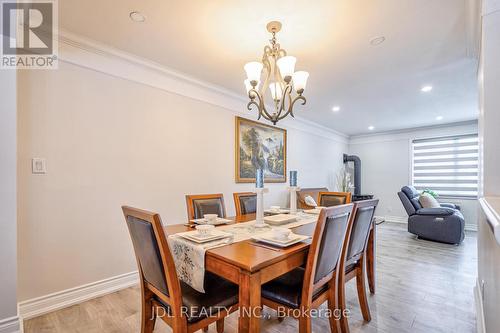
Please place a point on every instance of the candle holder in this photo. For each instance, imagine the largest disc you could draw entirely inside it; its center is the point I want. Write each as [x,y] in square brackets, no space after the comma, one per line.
[259,214]
[293,198]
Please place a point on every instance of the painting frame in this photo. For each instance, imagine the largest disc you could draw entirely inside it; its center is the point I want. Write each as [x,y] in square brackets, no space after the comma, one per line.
[239,122]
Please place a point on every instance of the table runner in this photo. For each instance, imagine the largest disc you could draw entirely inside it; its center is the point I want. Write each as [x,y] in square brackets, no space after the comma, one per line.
[189,257]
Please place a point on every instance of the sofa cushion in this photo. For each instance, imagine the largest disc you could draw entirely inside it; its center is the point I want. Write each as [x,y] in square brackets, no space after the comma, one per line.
[428,201]
[412,194]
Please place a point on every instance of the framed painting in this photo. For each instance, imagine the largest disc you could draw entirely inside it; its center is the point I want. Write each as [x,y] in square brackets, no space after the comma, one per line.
[259,146]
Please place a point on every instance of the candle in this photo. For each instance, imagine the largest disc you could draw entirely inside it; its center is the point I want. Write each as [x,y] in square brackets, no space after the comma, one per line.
[259,178]
[293,178]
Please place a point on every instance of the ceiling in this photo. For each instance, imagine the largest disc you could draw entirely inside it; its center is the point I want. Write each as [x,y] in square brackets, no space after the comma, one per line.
[426,43]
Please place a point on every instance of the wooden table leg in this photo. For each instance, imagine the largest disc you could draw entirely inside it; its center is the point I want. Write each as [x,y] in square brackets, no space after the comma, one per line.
[371,258]
[250,303]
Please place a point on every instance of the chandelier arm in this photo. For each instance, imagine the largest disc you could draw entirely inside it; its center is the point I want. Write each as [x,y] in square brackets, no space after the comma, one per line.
[286,93]
[260,105]
[290,107]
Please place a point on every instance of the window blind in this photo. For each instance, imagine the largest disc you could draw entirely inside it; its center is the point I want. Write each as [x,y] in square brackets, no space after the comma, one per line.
[447,165]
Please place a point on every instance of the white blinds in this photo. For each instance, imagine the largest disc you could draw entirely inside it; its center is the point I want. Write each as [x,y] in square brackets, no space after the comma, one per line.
[447,165]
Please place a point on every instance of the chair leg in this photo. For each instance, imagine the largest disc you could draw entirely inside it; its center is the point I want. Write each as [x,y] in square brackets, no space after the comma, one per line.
[220,325]
[344,323]
[360,284]
[332,306]
[205,329]
[305,324]
[148,316]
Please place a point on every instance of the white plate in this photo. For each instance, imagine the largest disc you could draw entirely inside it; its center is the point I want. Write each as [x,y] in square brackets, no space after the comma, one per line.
[269,239]
[218,221]
[280,219]
[196,237]
[315,211]
[281,211]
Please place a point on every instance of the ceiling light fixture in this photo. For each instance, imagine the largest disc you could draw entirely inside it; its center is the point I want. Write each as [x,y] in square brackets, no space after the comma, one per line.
[426,88]
[439,118]
[371,128]
[377,40]
[336,109]
[279,76]
[137,17]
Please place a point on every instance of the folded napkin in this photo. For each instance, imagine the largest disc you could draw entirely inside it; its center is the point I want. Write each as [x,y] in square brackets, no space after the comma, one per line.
[189,259]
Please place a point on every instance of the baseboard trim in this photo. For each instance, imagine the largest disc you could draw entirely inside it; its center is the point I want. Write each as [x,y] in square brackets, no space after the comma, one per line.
[10,325]
[41,305]
[394,219]
[478,300]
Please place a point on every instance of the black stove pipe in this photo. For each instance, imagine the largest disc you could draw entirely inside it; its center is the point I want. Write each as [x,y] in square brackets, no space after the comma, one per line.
[357,171]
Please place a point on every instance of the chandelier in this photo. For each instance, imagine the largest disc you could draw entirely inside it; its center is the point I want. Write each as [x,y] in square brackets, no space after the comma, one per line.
[285,85]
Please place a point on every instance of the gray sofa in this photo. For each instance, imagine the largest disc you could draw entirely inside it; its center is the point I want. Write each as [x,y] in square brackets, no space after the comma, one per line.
[444,224]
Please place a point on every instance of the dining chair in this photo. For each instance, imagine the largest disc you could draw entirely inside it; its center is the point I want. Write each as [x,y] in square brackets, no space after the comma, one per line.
[305,289]
[328,199]
[201,204]
[163,294]
[245,202]
[355,258]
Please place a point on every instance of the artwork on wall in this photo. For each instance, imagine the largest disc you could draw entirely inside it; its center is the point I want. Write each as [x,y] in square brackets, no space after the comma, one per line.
[259,146]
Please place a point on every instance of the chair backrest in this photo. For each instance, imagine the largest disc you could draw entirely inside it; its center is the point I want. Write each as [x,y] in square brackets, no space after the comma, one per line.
[245,202]
[328,199]
[304,192]
[410,209]
[325,253]
[412,195]
[362,222]
[201,204]
[154,260]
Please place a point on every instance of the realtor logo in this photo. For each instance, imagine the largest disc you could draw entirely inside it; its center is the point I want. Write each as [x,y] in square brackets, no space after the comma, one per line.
[28,31]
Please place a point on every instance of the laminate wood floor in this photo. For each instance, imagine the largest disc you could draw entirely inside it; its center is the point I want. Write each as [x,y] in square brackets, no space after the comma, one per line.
[422,286]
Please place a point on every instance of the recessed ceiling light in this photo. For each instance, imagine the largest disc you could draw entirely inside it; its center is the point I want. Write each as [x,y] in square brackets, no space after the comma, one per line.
[426,88]
[439,118]
[377,40]
[336,108]
[137,17]
[371,128]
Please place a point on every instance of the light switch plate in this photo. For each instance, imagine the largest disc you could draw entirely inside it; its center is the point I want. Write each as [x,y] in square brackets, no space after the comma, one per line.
[38,165]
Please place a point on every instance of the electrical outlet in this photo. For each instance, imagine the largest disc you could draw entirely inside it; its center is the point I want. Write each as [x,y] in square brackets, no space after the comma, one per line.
[38,166]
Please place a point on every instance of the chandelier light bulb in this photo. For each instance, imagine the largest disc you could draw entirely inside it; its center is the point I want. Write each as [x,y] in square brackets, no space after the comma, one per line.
[276,91]
[286,66]
[300,81]
[253,70]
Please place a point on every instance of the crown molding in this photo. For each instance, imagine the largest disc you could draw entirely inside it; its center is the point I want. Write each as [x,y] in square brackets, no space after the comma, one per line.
[464,127]
[87,53]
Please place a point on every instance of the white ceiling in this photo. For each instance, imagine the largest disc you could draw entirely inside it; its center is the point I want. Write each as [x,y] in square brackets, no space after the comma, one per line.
[426,43]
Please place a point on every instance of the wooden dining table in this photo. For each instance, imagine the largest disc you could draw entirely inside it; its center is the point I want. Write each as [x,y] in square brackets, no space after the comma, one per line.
[250,265]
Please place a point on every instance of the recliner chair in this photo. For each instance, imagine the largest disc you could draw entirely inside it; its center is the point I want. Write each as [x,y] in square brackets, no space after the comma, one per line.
[443,224]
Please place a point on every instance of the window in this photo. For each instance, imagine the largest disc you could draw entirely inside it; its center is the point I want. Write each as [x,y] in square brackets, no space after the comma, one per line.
[446,165]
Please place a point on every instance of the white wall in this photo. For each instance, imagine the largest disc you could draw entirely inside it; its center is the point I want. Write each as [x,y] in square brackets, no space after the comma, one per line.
[109,142]
[385,160]
[8,210]
[489,122]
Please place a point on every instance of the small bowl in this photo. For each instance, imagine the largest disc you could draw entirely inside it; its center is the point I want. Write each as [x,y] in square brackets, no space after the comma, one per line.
[205,230]
[210,217]
[281,233]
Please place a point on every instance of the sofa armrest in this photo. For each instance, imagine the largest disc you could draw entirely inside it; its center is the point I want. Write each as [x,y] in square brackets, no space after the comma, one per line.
[442,211]
[449,205]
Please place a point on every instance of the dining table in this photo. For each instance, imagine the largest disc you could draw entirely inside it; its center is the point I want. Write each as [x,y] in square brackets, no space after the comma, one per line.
[250,264]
